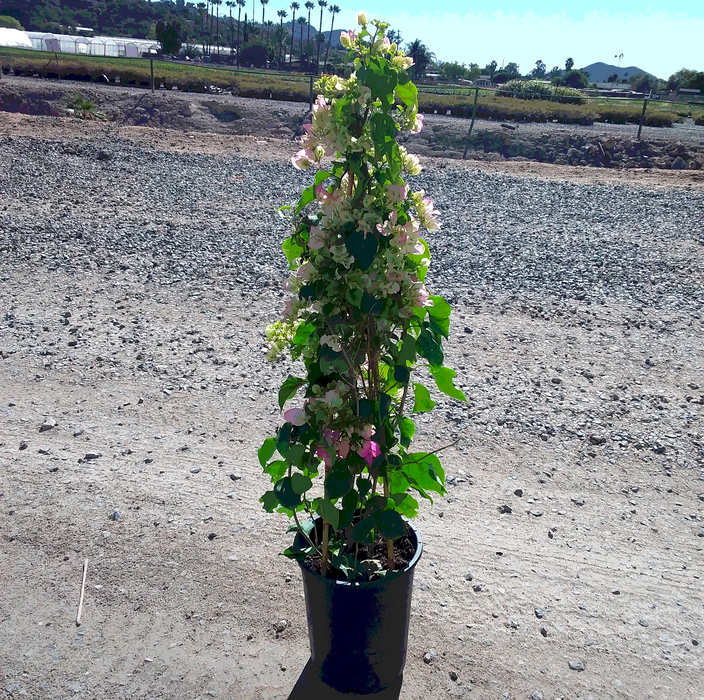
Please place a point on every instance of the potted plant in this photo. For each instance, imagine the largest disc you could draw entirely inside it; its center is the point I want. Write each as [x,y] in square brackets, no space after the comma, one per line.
[364,327]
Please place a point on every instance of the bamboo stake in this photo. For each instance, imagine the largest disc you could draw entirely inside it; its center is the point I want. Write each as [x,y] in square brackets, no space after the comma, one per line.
[83,590]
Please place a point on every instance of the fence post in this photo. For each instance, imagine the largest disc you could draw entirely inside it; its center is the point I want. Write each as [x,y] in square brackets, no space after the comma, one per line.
[151,70]
[642,114]
[471,126]
[310,95]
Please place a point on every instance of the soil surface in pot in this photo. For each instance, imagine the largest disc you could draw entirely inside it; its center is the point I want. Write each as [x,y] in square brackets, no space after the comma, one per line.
[404,550]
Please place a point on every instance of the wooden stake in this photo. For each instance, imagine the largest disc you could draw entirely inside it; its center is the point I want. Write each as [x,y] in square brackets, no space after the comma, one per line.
[83,590]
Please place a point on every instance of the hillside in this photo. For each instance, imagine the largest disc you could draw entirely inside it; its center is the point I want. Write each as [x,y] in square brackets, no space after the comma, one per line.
[600,72]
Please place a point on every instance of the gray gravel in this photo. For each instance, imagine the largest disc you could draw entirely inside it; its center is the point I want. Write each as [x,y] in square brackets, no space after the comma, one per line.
[621,267]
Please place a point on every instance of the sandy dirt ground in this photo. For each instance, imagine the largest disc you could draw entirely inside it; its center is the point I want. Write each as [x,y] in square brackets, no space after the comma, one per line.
[552,570]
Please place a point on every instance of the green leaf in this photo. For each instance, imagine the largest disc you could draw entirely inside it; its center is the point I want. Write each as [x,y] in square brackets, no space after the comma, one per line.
[354,296]
[423,402]
[364,486]
[440,308]
[422,270]
[295,454]
[429,347]
[363,409]
[296,551]
[380,78]
[407,91]
[384,405]
[270,501]
[363,531]
[300,483]
[307,196]
[331,361]
[328,512]
[424,470]
[283,439]
[303,333]
[285,494]
[308,292]
[292,251]
[362,248]
[266,450]
[402,374]
[408,430]
[320,176]
[390,524]
[406,504]
[439,326]
[276,469]
[408,350]
[287,390]
[339,481]
[375,504]
[443,379]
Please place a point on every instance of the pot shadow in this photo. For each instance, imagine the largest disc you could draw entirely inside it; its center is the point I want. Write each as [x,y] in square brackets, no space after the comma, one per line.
[310,686]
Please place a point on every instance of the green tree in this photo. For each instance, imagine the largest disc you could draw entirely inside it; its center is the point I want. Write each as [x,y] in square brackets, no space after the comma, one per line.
[490,69]
[294,8]
[513,69]
[240,5]
[394,36]
[282,16]
[453,71]
[322,4]
[301,22]
[569,64]
[217,4]
[310,6]
[170,34]
[264,4]
[10,22]
[333,9]
[554,72]
[540,69]
[613,78]
[422,57]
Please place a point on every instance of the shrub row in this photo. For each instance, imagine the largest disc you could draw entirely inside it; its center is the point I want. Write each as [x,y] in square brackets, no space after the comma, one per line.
[536,90]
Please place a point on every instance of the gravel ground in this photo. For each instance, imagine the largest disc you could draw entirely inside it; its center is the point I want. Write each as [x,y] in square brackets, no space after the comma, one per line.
[566,560]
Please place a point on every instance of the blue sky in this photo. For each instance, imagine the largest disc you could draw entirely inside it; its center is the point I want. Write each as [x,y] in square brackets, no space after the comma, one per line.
[659,38]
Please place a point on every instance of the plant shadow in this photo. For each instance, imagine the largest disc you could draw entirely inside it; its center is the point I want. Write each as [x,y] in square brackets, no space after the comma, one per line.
[310,686]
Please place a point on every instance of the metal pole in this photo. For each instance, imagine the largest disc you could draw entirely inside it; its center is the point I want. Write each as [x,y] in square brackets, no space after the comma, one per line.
[471,126]
[310,95]
[151,69]
[642,114]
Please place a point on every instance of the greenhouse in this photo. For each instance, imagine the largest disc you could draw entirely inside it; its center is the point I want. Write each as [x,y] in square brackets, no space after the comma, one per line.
[116,47]
[14,38]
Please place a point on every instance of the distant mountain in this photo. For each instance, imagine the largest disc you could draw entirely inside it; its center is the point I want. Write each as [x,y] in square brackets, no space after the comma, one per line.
[314,32]
[600,72]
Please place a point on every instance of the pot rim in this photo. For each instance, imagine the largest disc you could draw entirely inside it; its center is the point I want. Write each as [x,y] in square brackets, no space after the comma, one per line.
[378,582]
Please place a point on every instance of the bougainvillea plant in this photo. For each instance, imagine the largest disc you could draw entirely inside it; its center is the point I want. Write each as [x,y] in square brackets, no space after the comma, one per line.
[361,321]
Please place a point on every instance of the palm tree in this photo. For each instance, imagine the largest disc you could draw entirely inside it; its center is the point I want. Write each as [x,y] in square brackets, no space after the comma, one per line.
[264,4]
[217,4]
[231,4]
[422,57]
[269,25]
[334,9]
[201,12]
[282,16]
[294,7]
[310,5]
[302,21]
[240,5]
[321,4]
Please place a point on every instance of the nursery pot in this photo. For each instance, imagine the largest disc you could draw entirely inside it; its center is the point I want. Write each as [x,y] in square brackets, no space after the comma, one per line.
[359,632]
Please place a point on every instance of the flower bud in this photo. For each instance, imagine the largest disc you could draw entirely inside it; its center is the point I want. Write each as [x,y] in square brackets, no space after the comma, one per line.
[362,19]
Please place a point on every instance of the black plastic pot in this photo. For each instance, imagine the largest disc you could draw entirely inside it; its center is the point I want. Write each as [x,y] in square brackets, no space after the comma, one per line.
[359,632]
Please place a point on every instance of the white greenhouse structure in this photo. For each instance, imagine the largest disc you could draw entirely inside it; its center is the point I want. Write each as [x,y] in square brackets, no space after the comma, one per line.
[111,46]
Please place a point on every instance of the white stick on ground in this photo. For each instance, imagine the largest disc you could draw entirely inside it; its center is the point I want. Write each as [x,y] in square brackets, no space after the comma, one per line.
[83,590]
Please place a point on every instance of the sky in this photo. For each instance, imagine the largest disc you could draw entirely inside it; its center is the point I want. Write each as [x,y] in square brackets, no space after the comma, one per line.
[658,38]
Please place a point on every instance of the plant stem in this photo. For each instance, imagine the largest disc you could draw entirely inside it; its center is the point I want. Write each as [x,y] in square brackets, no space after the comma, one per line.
[324,562]
[389,543]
